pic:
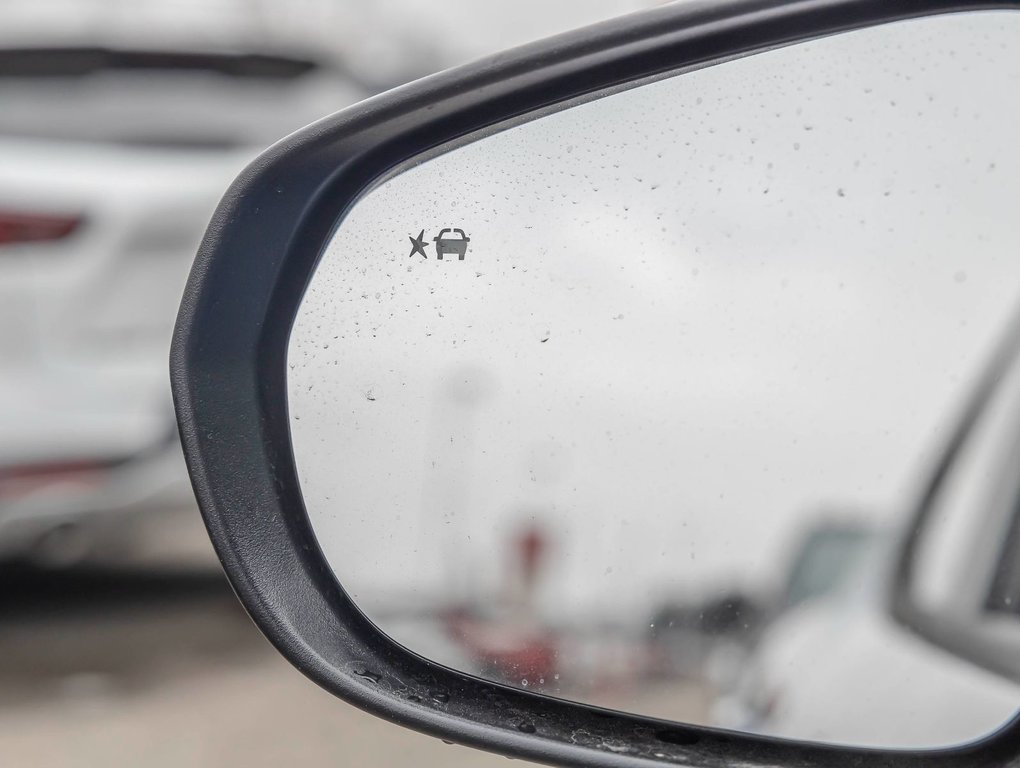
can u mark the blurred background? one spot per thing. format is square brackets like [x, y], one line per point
[121, 124]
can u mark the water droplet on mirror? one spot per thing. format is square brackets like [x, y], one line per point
[367, 674]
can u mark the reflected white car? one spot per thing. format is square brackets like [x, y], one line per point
[847, 668]
[836, 669]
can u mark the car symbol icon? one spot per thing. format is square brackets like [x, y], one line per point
[451, 245]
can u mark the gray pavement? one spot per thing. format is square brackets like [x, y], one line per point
[161, 667]
[114, 669]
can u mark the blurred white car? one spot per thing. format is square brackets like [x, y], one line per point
[117, 140]
[885, 659]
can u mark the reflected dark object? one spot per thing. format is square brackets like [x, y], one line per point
[1004, 594]
[824, 560]
[729, 614]
[686, 637]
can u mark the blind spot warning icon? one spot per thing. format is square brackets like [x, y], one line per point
[451, 245]
[418, 244]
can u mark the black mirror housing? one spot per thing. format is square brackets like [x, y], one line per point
[228, 369]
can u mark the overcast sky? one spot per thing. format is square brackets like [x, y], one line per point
[692, 316]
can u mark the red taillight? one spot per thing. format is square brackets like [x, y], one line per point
[19, 227]
[22, 479]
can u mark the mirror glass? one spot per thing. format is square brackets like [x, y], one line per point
[630, 403]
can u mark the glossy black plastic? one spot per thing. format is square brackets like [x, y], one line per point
[228, 372]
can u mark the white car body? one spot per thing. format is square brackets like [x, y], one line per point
[846, 669]
[138, 156]
[843, 671]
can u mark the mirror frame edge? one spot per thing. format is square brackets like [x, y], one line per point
[914, 618]
[228, 375]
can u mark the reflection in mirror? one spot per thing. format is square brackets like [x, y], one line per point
[629, 404]
[970, 603]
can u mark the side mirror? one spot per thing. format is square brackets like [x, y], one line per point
[506, 395]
